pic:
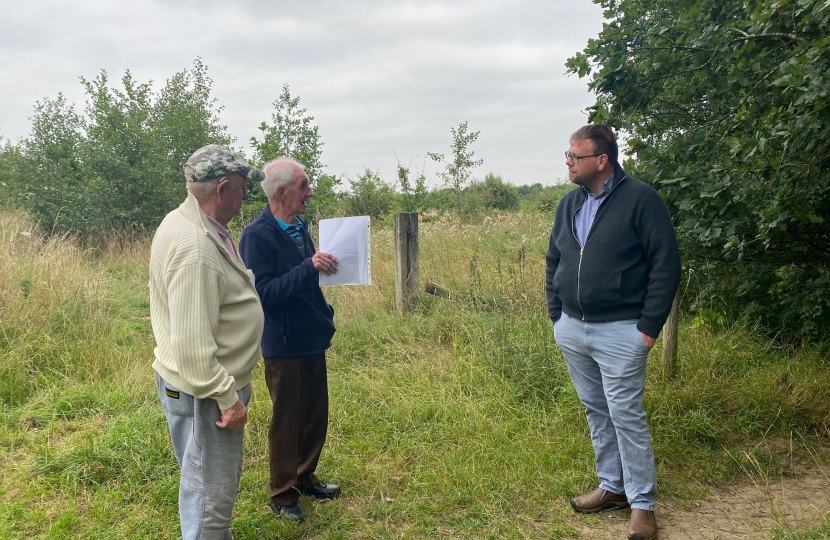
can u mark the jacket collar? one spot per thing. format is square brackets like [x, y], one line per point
[266, 213]
[269, 218]
[619, 176]
[191, 211]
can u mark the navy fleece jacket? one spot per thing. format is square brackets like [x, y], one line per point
[629, 267]
[298, 320]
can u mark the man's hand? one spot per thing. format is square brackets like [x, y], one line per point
[325, 262]
[234, 418]
[648, 340]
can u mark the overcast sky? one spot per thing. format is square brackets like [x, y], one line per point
[376, 75]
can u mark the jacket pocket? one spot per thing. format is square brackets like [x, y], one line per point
[601, 292]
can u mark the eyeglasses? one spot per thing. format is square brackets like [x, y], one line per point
[575, 158]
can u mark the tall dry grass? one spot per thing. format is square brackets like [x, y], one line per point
[442, 420]
[58, 322]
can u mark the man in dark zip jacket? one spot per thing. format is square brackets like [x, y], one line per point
[299, 325]
[613, 268]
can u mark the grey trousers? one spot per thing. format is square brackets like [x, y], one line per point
[210, 459]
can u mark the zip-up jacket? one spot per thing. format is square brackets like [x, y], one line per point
[629, 267]
[298, 320]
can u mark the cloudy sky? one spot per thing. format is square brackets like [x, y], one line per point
[376, 75]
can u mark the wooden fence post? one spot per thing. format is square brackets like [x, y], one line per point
[406, 260]
[670, 338]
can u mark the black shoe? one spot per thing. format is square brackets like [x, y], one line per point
[322, 490]
[292, 512]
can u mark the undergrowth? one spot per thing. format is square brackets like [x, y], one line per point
[458, 419]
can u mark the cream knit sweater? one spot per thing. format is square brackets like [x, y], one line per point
[205, 312]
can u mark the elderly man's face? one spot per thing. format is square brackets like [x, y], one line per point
[297, 193]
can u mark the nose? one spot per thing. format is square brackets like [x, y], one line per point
[244, 194]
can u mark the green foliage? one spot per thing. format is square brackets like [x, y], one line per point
[120, 154]
[437, 417]
[185, 117]
[459, 167]
[291, 134]
[441, 200]
[46, 172]
[326, 199]
[541, 199]
[369, 195]
[7, 152]
[412, 197]
[496, 194]
[119, 164]
[727, 108]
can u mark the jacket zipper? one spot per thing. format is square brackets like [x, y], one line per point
[284, 324]
[582, 247]
[307, 247]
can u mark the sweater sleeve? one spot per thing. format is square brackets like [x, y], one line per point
[551, 264]
[659, 242]
[193, 292]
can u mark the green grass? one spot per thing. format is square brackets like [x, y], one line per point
[456, 420]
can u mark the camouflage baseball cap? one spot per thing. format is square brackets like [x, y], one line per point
[213, 161]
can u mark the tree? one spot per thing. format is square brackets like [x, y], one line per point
[185, 117]
[9, 157]
[118, 165]
[369, 196]
[726, 104]
[138, 140]
[122, 153]
[458, 169]
[498, 194]
[46, 172]
[292, 134]
[442, 200]
[412, 197]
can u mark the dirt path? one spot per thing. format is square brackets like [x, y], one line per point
[748, 511]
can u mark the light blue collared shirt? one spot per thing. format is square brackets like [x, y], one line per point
[584, 217]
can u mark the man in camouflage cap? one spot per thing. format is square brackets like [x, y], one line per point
[214, 161]
[207, 321]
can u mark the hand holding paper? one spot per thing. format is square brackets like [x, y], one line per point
[325, 262]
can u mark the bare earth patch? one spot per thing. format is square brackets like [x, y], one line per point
[748, 511]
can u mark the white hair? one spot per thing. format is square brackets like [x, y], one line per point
[279, 172]
[202, 190]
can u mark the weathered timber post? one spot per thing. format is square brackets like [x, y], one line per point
[406, 260]
[670, 338]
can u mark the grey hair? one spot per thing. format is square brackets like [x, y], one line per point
[279, 172]
[202, 190]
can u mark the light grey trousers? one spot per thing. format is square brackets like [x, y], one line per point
[210, 459]
[607, 363]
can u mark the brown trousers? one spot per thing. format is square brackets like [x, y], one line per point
[299, 421]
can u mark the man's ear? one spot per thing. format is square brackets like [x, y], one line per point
[603, 162]
[222, 186]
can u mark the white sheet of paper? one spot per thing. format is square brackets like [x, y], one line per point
[347, 239]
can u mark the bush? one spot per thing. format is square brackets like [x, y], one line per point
[120, 164]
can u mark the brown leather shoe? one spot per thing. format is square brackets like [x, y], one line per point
[599, 500]
[642, 525]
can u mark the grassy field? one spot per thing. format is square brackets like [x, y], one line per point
[458, 420]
